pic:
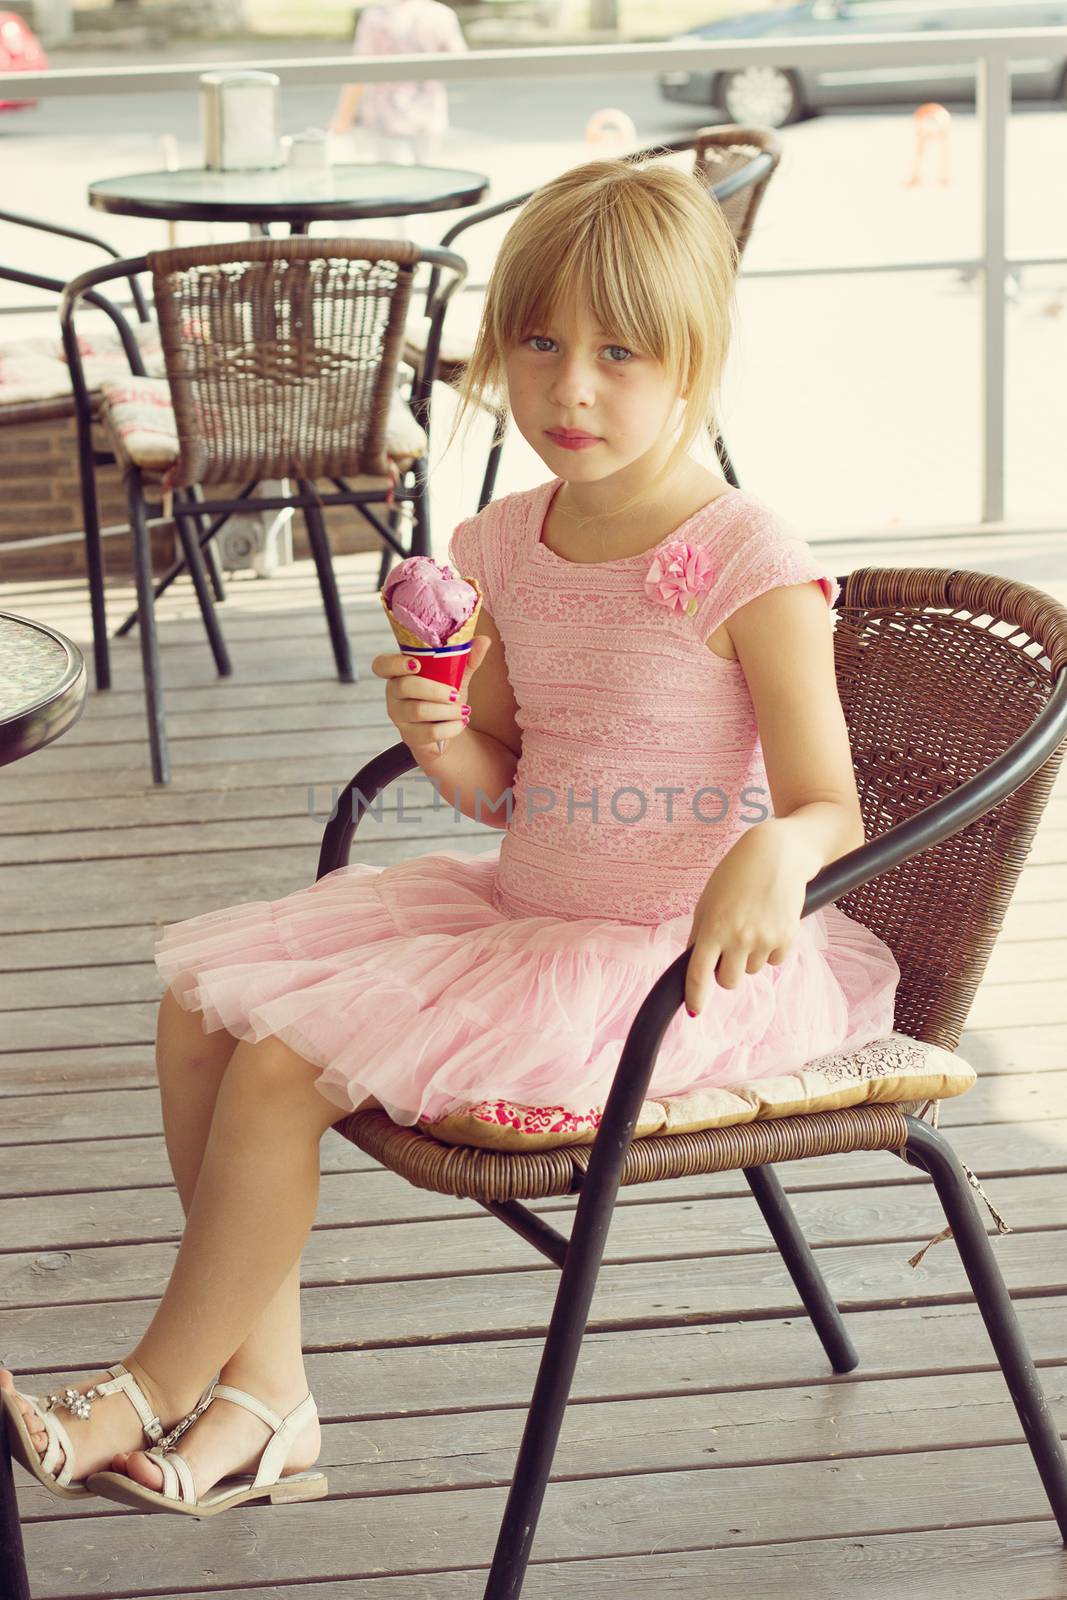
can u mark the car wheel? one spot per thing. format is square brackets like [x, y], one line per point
[768, 97]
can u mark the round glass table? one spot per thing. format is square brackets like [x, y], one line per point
[283, 194]
[42, 686]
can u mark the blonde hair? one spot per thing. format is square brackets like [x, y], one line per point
[650, 249]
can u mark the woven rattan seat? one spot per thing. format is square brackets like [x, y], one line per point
[954, 691]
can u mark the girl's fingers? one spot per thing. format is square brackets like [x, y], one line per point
[699, 976]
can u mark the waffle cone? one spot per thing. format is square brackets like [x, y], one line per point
[407, 640]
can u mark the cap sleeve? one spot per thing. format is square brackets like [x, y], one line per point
[471, 554]
[758, 551]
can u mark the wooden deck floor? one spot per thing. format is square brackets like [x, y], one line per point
[709, 1451]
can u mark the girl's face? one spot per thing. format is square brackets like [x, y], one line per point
[590, 406]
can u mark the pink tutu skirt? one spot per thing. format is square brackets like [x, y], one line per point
[405, 983]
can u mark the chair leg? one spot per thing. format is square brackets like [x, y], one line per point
[555, 1374]
[191, 549]
[14, 1582]
[492, 465]
[146, 619]
[210, 552]
[385, 566]
[331, 599]
[94, 564]
[928, 1149]
[797, 1255]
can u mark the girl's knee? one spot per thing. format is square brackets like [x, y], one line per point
[269, 1071]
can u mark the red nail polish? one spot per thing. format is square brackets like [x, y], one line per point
[466, 710]
[413, 666]
[454, 695]
[691, 1013]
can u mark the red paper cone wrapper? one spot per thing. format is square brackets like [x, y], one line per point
[444, 663]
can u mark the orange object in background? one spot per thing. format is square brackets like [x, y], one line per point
[931, 124]
[610, 128]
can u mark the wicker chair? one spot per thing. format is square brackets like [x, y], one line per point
[61, 408]
[736, 163]
[281, 360]
[955, 694]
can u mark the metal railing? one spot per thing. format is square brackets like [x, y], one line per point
[990, 50]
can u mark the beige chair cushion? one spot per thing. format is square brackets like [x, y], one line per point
[140, 419]
[457, 346]
[888, 1071]
[36, 369]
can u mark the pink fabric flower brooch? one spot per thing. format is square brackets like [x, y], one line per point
[679, 574]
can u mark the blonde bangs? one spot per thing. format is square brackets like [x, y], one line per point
[647, 248]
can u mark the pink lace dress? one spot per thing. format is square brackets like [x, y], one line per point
[513, 974]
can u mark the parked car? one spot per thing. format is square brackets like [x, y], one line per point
[19, 52]
[773, 96]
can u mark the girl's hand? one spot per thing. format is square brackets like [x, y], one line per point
[422, 710]
[749, 912]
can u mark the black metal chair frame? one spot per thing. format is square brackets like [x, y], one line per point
[926, 1148]
[191, 510]
[89, 455]
[743, 178]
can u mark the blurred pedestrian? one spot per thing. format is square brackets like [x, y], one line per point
[408, 120]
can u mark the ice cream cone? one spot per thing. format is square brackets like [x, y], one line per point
[444, 663]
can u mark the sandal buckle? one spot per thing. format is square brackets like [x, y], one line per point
[179, 1428]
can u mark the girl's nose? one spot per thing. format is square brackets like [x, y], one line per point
[572, 385]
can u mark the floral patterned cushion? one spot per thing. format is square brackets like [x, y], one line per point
[140, 419]
[36, 369]
[887, 1071]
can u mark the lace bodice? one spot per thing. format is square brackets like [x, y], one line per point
[641, 763]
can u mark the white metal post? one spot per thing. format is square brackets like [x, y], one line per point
[993, 108]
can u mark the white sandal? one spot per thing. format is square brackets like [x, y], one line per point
[43, 1468]
[179, 1492]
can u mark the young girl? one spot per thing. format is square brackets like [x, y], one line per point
[650, 715]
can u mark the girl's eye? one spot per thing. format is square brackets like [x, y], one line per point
[538, 340]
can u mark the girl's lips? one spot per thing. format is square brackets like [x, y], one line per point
[572, 441]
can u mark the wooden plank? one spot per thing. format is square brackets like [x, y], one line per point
[46, 898]
[637, 1513]
[165, 808]
[513, 1302]
[126, 1163]
[751, 1428]
[983, 1563]
[719, 1357]
[123, 1246]
[403, 816]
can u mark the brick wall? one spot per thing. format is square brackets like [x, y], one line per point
[39, 495]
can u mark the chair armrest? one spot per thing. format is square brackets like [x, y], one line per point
[84, 288]
[18, 220]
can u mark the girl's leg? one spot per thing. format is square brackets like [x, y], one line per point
[270, 1363]
[253, 1206]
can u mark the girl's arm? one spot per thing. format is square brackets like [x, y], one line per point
[749, 912]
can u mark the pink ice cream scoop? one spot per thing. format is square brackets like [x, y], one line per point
[429, 598]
